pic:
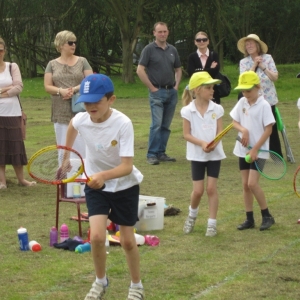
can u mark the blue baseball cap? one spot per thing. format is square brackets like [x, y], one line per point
[94, 87]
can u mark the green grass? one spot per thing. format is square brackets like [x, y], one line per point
[287, 84]
[234, 265]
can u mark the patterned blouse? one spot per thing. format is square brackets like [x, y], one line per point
[65, 76]
[267, 85]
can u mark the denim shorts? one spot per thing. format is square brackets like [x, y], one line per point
[121, 207]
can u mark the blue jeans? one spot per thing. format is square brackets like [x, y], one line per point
[162, 104]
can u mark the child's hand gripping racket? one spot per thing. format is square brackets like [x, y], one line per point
[56, 165]
[271, 166]
[219, 136]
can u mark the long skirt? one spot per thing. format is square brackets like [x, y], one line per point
[12, 148]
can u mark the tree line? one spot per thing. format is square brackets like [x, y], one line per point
[112, 33]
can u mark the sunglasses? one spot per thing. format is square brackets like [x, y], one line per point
[201, 40]
[70, 43]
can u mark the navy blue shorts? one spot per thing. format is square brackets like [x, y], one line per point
[212, 168]
[243, 165]
[121, 207]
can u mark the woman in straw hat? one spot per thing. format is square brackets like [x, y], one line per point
[263, 64]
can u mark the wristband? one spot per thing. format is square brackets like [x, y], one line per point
[58, 92]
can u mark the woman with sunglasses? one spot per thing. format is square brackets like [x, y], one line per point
[12, 148]
[62, 79]
[204, 60]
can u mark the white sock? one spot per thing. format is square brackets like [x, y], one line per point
[193, 212]
[136, 285]
[212, 222]
[103, 280]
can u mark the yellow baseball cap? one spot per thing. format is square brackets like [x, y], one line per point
[201, 78]
[247, 81]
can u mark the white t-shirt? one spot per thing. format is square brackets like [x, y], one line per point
[9, 106]
[254, 118]
[203, 128]
[298, 103]
[106, 143]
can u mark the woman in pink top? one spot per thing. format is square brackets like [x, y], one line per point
[12, 148]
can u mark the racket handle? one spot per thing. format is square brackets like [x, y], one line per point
[102, 187]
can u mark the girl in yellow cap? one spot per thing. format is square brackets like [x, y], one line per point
[202, 121]
[252, 117]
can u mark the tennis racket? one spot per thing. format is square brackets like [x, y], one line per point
[296, 182]
[220, 135]
[57, 165]
[272, 166]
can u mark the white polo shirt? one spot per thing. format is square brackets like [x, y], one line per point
[203, 128]
[254, 118]
[106, 143]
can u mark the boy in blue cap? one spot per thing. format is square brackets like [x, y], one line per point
[109, 139]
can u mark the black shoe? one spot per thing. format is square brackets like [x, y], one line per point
[267, 222]
[165, 157]
[152, 160]
[246, 225]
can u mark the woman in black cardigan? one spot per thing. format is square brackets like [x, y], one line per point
[204, 60]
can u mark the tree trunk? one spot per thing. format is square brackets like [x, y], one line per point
[127, 61]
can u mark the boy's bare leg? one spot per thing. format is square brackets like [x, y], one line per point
[98, 237]
[130, 247]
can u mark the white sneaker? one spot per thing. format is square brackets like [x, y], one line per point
[211, 230]
[136, 294]
[189, 225]
[96, 292]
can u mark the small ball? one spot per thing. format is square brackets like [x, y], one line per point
[248, 159]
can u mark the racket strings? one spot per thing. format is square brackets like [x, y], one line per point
[273, 167]
[48, 167]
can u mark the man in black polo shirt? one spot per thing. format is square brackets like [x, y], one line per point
[160, 70]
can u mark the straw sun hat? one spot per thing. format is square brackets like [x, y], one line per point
[252, 36]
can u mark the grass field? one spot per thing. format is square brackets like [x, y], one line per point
[234, 265]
